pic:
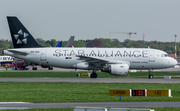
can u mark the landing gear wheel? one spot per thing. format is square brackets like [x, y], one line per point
[34, 68]
[151, 77]
[93, 75]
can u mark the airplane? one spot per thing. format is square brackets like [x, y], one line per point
[115, 61]
[6, 61]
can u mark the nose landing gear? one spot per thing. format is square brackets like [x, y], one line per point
[150, 74]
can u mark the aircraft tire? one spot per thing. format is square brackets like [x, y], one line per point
[93, 75]
[151, 77]
[34, 68]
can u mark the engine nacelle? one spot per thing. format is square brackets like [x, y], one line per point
[21, 65]
[117, 69]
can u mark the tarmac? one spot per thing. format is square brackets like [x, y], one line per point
[90, 80]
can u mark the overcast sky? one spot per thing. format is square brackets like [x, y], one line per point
[90, 19]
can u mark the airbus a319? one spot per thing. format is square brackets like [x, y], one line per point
[115, 61]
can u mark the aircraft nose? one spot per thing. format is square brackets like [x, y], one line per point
[174, 62]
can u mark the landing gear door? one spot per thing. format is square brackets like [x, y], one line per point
[151, 56]
[43, 55]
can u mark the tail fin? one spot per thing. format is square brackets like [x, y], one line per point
[20, 36]
[59, 44]
[70, 42]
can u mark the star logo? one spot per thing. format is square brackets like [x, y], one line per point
[21, 37]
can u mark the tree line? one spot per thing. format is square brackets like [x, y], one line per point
[104, 42]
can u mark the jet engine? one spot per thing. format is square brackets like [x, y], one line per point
[21, 65]
[117, 69]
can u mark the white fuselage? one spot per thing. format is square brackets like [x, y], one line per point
[136, 58]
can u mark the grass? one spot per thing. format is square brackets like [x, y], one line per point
[78, 92]
[73, 74]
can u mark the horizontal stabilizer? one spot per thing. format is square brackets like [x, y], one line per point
[17, 52]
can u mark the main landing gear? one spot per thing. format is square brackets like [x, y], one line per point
[94, 75]
[50, 68]
[150, 74]
[34, 68]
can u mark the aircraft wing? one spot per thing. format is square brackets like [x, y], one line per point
[18, 52]
[91, 59]
[99, 62]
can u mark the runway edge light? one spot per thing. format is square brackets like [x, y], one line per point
[118, 92]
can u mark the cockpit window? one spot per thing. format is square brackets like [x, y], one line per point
[165, 55]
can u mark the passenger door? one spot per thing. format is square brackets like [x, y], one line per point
[151, 56]
[43, 55]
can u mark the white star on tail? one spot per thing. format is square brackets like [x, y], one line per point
[22, 39]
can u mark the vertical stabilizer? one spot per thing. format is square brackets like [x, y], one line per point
[59, 44]
[20, 35]
[70, 42]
